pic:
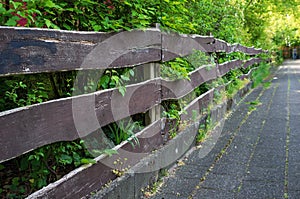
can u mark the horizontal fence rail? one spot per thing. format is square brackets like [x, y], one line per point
[30, 51]
[53, 50]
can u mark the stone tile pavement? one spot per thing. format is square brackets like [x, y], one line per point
[258, 152]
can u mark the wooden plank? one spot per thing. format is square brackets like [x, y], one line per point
[32, 50]
[27, 128]
[248, 75]
[180, 88]
[251, 61]
[179, 45]
[244, 49]
[195, 108]
[227, 66]
[203, 74]
[221, 46]
[88, 178]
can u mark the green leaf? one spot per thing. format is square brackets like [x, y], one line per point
[125, 78]
[131, 72]
[122, 90]
[24, 164]
[2, 10]
[97, 27]
[66, 159]
[104, 81]
[127, 3]
[41, 182]
[48, 23]
[50, 4]
[12, 21]
[116, 79]
[2, 167]
[22, 85]
[15, 181]
[88, 161]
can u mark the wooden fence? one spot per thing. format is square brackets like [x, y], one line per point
[27, 51]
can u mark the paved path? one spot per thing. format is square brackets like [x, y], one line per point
[258, 153]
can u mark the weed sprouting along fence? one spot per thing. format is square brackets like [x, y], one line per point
[33, 51]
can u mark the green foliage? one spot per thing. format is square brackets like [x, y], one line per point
[204, 129]
[224, 57]
[201, 133]
[124, 130]
[19, 93]
[172, 111]
[180, 67]
[85, 14]
[253, 105]
[42, 166]
[262, 72]
[116, 78]
[176, 69]
[246, 22]
[234, 86]
[198, 59]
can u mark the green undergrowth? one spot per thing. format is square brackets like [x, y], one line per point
[260, 74]
[34, 170]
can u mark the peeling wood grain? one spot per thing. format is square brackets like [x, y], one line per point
[27, 50]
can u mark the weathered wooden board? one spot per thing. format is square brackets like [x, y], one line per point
[251, 61]
[180, 88]
[32, 50]
[227, 66]
[86, 179]
[179, 45]
[243, 49]
[30, 127]
[195, 108]
[221, 46]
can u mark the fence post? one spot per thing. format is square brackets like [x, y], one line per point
[152, 71]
